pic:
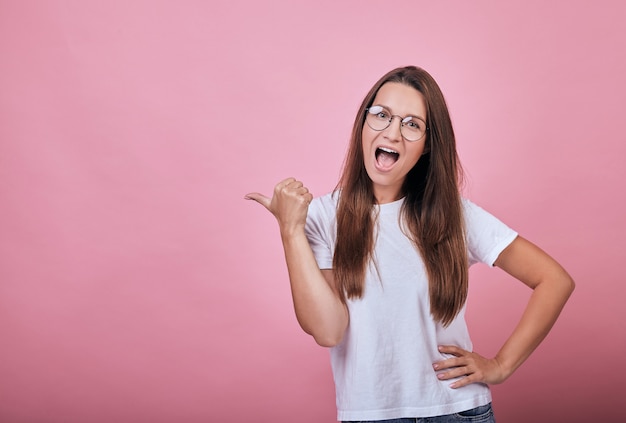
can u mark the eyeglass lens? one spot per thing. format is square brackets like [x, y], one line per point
[411, 128]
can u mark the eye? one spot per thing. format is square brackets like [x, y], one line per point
[379, 112]
[412, 123]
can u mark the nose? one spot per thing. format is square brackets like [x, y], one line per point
[393, 132]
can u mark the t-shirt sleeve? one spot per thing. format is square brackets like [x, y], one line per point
[320, 223]
[487, 236]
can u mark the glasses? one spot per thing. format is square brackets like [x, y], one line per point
[412, 128]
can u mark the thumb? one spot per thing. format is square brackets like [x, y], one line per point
[259, 198]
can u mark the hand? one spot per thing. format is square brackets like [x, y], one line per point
[474, 367]
[289, 204]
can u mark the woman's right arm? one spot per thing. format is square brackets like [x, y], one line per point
[317, 304]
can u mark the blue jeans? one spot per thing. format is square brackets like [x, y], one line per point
[482, 414]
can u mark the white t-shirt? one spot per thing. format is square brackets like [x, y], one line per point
[383, 366]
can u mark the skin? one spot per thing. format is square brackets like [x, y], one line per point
[401, 100]
[318, 308]
[551, 287]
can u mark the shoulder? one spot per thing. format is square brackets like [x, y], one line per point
[473, 213]
[321, 220]
[322, 213]
[487, 235]
[325, 206]
[469, 206]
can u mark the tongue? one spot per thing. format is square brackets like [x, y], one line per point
[385, 159]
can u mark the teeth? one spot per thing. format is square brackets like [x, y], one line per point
[388, 150]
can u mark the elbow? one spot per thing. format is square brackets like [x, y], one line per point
[327, 332]
[560, 281]
[328, 340]
[571, 285]
[327, 337]
[565, 286]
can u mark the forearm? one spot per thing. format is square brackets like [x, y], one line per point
[542, 311]
[318, 308]
[545, 304]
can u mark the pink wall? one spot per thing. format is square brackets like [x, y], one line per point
[136, 284]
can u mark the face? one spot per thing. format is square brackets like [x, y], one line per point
[388, 156]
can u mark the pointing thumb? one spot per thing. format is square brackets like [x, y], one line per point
[259, 198]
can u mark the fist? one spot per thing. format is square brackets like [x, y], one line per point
[289, 203]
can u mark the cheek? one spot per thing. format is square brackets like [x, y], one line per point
[416, 152]
[366, 139]
[412, 159]
[365, 135]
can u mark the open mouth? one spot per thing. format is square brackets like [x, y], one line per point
[386, 157]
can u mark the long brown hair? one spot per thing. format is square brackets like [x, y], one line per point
[431, 214]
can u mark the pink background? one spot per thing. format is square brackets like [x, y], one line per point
[136, 284]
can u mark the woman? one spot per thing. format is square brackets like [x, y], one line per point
[379, 268]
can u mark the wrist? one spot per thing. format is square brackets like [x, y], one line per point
[506, 368]
[289, 232]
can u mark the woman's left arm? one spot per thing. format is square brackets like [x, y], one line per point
[551, 286]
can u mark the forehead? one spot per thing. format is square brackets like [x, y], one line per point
[401, 99]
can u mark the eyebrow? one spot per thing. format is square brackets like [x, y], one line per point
[389, 108]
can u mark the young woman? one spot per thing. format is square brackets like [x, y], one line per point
[379, 267]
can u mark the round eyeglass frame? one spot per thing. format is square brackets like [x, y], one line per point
[368, 114]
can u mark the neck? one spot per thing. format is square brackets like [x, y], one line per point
[387, 195]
